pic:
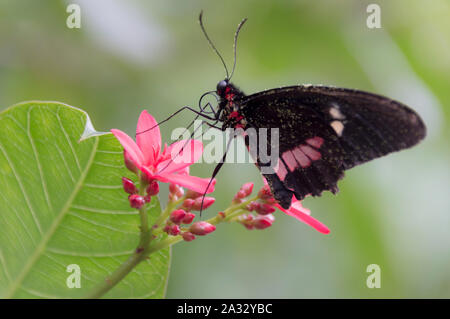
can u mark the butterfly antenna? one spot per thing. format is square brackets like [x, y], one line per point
[235, 44]
[211, 43]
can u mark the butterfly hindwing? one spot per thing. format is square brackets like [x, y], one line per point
[325, 130]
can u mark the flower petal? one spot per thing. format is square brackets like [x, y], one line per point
[191, 151]
[197, 184]
[305, 218]
[130, 146]
[296, 204]
[149, 141]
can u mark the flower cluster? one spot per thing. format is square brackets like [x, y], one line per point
[259, 212]
[145, 158]
[183, 214]
[136, 200]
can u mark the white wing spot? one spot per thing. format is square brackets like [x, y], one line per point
[338, 127]
[335, 113]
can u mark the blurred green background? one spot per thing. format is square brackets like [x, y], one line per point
[134, 55]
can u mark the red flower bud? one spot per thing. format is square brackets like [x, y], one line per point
[261, 222]
[251, 207]
[172, 230]
[202, 228]
[153, 188]
[192, 194]
[177, 216]
[245, 190]
[247, 221]
[136, 201]
[187, 236]
[187, 204]
[239, 195]
[188, 218]
[208, 201]
[265, 193]
[129, 162]
[176, 190]
[128, 186]
[264, 209]
[147, 198]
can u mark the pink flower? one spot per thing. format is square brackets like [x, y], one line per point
[169, 166]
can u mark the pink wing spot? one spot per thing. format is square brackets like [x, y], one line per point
[301, 157]
[289, 158]
[310, 152]
[281, 170]
[315, 141]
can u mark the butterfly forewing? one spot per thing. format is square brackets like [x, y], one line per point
[325, 130]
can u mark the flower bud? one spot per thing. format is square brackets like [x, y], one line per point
[202, 228]
[192, 194]
[153, 188]
[264, 209]
[188, 218]
[188, 236]
[245, 190]
[172, 230]
[265, 193]
[239, 195]
[128, 186]
[247, 221]
[147, 198]
[187, 204]
[251, 207]
[262, 222]
[136, 201]
[129, 162]
[176, 190]
[177, 216]
[207, 201]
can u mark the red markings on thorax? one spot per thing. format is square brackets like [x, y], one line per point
[236, 116]
[302, 156]
[228, 95]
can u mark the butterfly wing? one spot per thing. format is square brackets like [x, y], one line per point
[324, 131]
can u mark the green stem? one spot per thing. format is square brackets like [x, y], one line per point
[165, 214]
[138, 255]
[145, 248]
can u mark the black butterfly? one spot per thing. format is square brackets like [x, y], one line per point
[322, 130]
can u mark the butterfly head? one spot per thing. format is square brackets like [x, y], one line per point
[221, 87]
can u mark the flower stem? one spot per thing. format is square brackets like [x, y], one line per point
[140, 253]
[145, 248]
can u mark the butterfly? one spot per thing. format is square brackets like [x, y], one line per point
[323, 130]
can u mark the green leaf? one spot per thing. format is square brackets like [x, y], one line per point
[61, 203]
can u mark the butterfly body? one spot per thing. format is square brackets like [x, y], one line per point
[322, 132]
